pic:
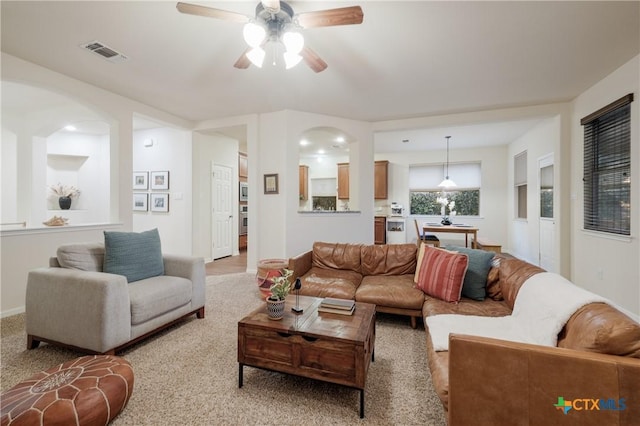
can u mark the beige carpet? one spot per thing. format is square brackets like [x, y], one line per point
[189, 374]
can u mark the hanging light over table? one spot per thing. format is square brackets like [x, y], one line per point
[447, 183]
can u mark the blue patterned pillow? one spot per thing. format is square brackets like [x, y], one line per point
[136, 255]
[475, 280]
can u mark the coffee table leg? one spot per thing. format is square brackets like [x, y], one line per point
[240, 369]
[362, 403]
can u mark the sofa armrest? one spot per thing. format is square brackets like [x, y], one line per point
[301, 264]
[191, 268]
[499, 382]
[89, 310]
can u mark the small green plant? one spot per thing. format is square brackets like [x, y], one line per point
[281, 285]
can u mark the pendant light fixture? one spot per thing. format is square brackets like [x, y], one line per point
[447, 183]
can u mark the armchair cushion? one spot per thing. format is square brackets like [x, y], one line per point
[83, 256]
[136, 255]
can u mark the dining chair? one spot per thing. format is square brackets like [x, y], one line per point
[427, 238]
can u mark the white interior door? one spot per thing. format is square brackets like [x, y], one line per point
[548, 252]
[221, 210]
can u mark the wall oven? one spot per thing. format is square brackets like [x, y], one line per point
[242, 226]
[244, 191]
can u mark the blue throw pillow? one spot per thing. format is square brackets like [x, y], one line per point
[475, 280]
[136, 255]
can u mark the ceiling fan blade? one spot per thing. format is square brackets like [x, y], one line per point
[330, 17]
[271, 6]
[312, 59]
[210, 12]
[243, 61]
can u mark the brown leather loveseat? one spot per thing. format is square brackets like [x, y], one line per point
[378, 274]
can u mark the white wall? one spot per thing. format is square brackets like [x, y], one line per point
[523, 238]
[602, 263]
[9, 170]
[222, 150]
[171, 151]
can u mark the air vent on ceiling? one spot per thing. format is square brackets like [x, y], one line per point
[104, 51]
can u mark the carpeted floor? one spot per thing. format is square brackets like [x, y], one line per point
[188, 374]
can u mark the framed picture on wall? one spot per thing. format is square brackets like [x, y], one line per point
[160, 180]
[271, 184]
[140, 202]
[140, 180]
[160, 202]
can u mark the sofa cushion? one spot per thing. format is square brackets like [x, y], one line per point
[155, 296]
[390, 291]
[388, 259]
[513, 273]
[599, 327]
[321, 282]
[136, 255]
[82, 256]
[442, 274]
[475, 280]
[486, 308]
[420, 257]
[337, 256]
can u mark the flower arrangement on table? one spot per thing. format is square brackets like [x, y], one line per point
[444, 202]
[281, 285]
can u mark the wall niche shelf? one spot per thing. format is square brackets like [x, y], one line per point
[66, 161]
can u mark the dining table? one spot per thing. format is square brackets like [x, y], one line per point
[434, 228]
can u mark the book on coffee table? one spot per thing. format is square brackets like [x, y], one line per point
[337, 310]
[333, 303]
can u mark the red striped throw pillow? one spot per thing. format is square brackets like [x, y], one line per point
[442, 273]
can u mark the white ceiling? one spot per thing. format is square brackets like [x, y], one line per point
[407, 59]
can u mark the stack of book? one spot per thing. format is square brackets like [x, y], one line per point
[337, 306]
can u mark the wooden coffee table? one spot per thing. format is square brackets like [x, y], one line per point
[329, 347]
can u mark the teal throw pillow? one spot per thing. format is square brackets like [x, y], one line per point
[475, 280]
[136, 255]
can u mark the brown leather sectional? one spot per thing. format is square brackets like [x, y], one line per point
[595, 367]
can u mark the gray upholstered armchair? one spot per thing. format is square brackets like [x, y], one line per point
[75, 304]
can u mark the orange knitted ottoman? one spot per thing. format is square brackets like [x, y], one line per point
[90, 390]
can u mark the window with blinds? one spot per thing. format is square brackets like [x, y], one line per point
[520, 182]
[607, 168]
[424, 190]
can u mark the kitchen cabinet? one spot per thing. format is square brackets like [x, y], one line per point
[243, 165]
[304, 182]
[380, 230]
[343, 181]
[242, 242]
[380, 179]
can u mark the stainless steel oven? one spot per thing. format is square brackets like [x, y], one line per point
[244, 191]
[242, 226]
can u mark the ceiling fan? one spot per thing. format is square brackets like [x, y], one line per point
[275, 21]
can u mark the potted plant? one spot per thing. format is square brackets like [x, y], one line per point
[279, 291]
[65, 194]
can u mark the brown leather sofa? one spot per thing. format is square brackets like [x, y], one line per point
[488, 381]
[482, 381]
[378, 274]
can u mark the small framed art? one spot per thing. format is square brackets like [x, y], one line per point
[140, 180]
[140, 201]
[271, 183]
[160, 180]
[160, 202]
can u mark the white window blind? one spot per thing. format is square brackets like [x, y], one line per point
[428, 177]
[520, 169]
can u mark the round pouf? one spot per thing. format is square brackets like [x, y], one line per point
[268, 269]
[90, 390]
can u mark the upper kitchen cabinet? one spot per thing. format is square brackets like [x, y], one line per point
[380, 178]
[304, 182]
[343, 181]
[243, 165]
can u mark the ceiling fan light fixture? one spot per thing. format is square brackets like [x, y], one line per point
[254, 34]
[293, 41]
[256, 56]
[291, 59]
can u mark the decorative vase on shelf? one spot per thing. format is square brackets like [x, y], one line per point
[65, 203]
